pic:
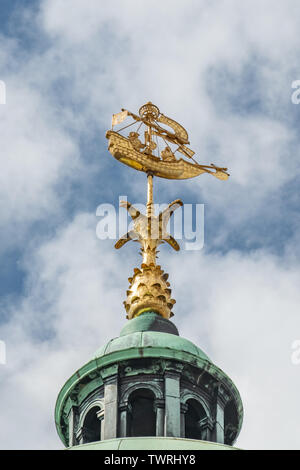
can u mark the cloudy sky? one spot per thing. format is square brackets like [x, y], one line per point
[223, 69]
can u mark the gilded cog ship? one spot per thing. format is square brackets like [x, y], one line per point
[150, 388]
[141, 156]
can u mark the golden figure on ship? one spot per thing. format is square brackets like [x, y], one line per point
[149, 288]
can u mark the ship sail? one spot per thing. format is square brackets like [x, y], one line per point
[180, 131]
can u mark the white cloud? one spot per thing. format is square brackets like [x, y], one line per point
[36, 154]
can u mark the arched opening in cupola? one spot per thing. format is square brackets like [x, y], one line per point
[194, 415]
[142, 420]
[92, 426]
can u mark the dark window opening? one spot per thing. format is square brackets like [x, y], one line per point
[230, 422]
[195, 413]
[92, 426]
[142, 420]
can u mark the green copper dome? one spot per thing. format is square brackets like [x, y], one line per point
[151, 331]
[167, 343]
[149, 321]
[149, 337]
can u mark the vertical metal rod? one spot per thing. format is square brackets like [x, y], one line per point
[149, 195]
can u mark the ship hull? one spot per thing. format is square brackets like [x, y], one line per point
[122, 149]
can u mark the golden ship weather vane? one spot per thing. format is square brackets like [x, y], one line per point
[149, 289]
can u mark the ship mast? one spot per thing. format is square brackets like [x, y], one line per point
[149, 112]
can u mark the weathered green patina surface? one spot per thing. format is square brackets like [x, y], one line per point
[152, 352]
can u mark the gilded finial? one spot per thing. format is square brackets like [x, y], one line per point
[149, 288]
